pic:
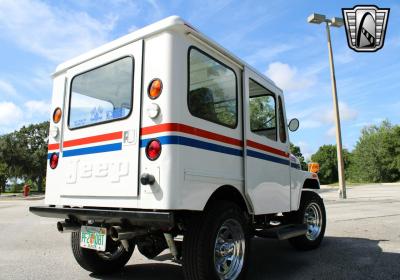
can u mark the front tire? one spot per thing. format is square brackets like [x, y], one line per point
[216, 244]
[312, 213]
[112, 260]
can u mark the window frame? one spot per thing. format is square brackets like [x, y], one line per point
[273, 95]
[282, 121]
[188, 86]
[94, 68]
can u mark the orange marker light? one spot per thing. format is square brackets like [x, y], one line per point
[313, 167]
[57, 115]
[155, 88]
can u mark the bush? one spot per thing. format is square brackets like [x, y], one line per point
[326, 156]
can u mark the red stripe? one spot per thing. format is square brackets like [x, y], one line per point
[266, 148]
[53, 146]
[93, 139]
[168, 127]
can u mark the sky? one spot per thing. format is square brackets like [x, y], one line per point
[272, 36]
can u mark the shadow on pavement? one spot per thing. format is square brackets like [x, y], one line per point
[151, 271]
[337, 258]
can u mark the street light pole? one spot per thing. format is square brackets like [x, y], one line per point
[336, 22]
[342, 182]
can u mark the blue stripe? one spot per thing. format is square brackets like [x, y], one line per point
[177, 140]
[295, 165]
[258, 155]
[93, 150]
[185, 141]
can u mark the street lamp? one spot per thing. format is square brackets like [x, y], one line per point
[336, 22]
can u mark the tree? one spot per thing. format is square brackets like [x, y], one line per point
[376, 157]
[25, 152]
[3, 175]
[326, 156]
[4, 169]
[295, 150]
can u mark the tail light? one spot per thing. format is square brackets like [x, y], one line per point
[153, 149]
[53, 160]
[155, 88]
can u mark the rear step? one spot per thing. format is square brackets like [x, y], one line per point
[282, 232]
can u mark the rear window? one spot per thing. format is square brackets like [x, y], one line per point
[102, 95]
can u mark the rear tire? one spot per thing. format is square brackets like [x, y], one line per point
[112, 260]
[312, 213]
[216, 244]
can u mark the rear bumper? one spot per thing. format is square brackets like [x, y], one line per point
[108, 216]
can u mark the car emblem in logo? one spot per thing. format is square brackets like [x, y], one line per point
[365, 27]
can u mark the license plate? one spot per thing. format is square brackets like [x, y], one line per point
[93, 238]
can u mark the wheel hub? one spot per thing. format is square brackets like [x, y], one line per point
[229, 250]
[313, 220]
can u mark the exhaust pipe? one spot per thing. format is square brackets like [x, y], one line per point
[118, 233]
[64, 227]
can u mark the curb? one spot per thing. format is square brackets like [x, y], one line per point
[13, 197]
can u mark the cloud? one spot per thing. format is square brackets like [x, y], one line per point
[132, 28]
[344, 57]
[9, 115]
[13, 117]
[35, 107]
[310, 123]
[51, 32]
[346, 114]
[331, 131]
[7, 89]
[265, 54]
[305, 149]
[288, 78]
[208, 9]
[322, 116]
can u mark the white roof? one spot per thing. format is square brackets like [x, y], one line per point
[148, 31]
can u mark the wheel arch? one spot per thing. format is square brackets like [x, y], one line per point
[311, 184]
[229, 193]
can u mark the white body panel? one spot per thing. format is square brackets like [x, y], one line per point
[267, 161]
[198, 156]
[99, 172]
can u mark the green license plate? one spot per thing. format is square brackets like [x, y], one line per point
[93, 238]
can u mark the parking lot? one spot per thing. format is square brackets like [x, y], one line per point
[362, 242]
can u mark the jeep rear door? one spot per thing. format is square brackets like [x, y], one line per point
[267, 178]
[100, 134]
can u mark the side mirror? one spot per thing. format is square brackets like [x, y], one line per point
[294, 125]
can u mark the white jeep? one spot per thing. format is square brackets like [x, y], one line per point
[164, 134]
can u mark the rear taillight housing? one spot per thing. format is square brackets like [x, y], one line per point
[153, 149]
[53, 160]
[155, 88]
[57, 115]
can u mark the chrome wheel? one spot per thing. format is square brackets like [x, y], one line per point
[229, 250]
[313, 220]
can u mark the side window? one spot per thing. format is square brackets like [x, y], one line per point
[212, 92]
[262, 111]
[282, 123]
[101, 95]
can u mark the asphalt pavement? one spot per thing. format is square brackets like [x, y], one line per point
[362, 242]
